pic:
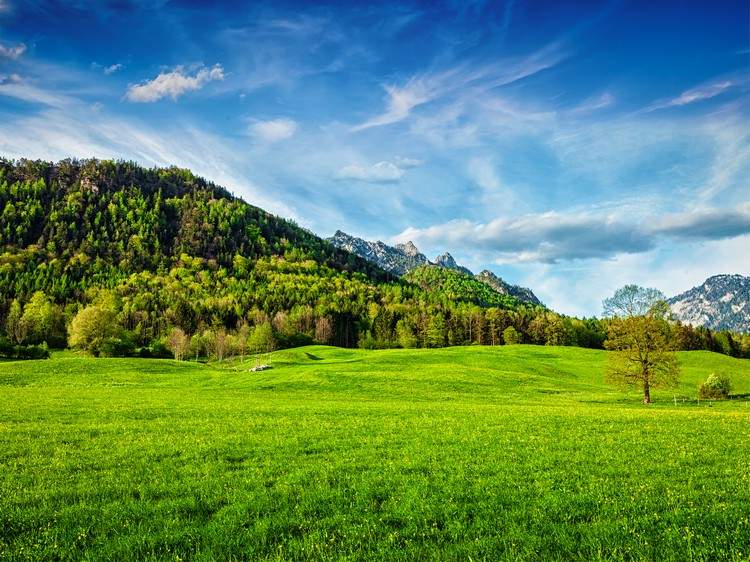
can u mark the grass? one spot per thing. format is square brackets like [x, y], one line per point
[515, 453]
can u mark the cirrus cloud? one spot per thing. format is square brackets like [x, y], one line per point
[382, 172]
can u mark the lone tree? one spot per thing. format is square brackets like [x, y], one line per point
[638, 338]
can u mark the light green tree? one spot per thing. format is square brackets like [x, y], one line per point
[511, 336]
[36, 321]
[92, 327]
[638, 337]
[13, 322]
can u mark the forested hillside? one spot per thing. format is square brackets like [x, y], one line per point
[117, 259]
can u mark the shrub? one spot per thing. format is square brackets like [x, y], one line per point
[122, 345]
[11, 351]
[716, 387]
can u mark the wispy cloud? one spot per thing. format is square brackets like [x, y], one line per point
[111, 69]
[400, 102]
[15, 86]
[405, 163]
[273, 130]
[463, 79]
[173, 84]
[12, 52]
[482, 171]
[382, 172]
[699, 93]
[555, 236]
[595, 103]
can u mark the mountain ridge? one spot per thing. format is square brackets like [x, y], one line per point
[404, 258]
[721, 302]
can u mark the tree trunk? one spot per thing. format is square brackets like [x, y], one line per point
[646, 392]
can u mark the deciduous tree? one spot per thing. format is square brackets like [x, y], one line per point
[639, 340]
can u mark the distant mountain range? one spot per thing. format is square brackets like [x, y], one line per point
[722, 302]
[403, 258]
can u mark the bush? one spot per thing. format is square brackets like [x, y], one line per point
[716, 387]
[122, 346]
[10, 351]
[156, 350]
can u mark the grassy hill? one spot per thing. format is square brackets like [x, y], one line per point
[514, 452]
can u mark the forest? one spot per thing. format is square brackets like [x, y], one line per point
[117, 259]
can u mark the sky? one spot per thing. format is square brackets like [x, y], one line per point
[571, 147]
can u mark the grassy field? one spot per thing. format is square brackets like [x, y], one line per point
[515, 452]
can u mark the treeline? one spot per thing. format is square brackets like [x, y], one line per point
[199, 310]
[116, 259]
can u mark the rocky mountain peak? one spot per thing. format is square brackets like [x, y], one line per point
[446, 260]
[722, 302]
[402, 258]
[409, 249]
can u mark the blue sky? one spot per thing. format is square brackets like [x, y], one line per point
[569, 146]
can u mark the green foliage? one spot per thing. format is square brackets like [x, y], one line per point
[261, 339]
[10, 351]
[95, 330]
[511, 336]
[715, 387]
[13, 322]
[454, 285]
[641, 353]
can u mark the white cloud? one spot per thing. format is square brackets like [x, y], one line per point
[172, 84]
[12, 52]
[406, 163]
[273, 130]
[462, 80]
[400, 102]
[15, 86]
[10, 79]
[112, 68]
[382, 172]
[553, 236]
[482, 172]
[595, 103]
[700, 93]
[572, 288]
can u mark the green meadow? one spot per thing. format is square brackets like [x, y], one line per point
[480, 453]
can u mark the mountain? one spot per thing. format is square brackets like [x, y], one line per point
[397, 260]
[722, 302]
[446, 260]
[404, 258]
[149, 251]
[121, 216]
[521, 293]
